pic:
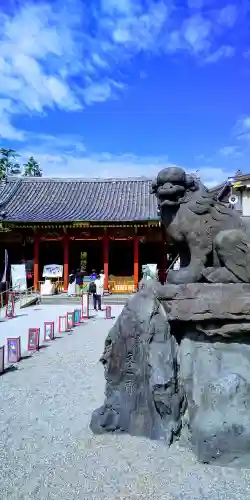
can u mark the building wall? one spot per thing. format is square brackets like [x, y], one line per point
[246, 202]
[243, 203]
[238, 205]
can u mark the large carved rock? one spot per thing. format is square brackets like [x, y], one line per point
[181, 353]
[214, 324]
[208, 303]
[216, 378]
[143, 394]
[177, 348]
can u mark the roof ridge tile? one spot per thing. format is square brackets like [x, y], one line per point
[80, 179]
[97, 200]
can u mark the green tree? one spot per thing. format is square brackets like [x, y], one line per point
[8, 163]
[32, 168]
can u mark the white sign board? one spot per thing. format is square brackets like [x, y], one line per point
[52, 271]
[85, 305]
[18, 277]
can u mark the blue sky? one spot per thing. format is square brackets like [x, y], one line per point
[116, 88]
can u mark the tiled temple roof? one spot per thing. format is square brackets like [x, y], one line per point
[238, 177]
[66, 200]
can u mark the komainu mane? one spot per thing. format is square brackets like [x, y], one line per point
[210, 237]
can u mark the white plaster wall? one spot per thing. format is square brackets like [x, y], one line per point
[246, 203]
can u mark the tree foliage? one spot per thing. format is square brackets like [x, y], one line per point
[10, 166]
[8, 163]
[32, 168]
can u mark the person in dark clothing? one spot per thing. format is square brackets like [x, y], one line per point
[93, 275]
[78, 282]
[97, 302]
[71, 277]
[96, 288]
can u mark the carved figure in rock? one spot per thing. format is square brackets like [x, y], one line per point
[143, 396]
[210, 237]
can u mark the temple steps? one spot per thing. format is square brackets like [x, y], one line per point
[108, 300]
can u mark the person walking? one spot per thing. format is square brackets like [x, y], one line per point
[102, 278]
[72, 284]
[97, 296]
[93, 275]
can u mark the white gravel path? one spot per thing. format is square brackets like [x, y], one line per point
[47, 451]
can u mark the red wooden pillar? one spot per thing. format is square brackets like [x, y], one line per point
[65, 263]
[106, 261]
[36, 263]
[136, 262]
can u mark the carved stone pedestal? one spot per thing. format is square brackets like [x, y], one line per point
[213, 322]
[182, 353]
[140, 360]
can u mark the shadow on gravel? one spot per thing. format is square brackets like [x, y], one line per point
[15, 367]
[43, 346]
[25, 356]
[9, 369]
[103, 318]
[19, 315]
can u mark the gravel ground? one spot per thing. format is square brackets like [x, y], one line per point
[48, 452]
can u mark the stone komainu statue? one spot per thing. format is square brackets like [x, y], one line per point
[210, 237]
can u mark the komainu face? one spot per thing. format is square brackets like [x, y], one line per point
[172, 185]
[210, 233]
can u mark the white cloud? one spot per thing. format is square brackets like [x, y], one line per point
[212, 176]
[246, 54]
[103, 165]
[120, 6]
[140, 30]
[196, 31]
[242, 128]
[230, 151]
[228, 15]
[45, 46]
[230, 158]
[195, 4]
[77, 161]
[6, 128]
[37, 46]
[101, 92]
[201, 34]
[246, 123]
[224, 52]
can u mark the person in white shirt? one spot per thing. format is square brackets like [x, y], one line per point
[98, 293]
[72, 285]
[102, 278]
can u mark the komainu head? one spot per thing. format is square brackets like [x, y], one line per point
[172, 185]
